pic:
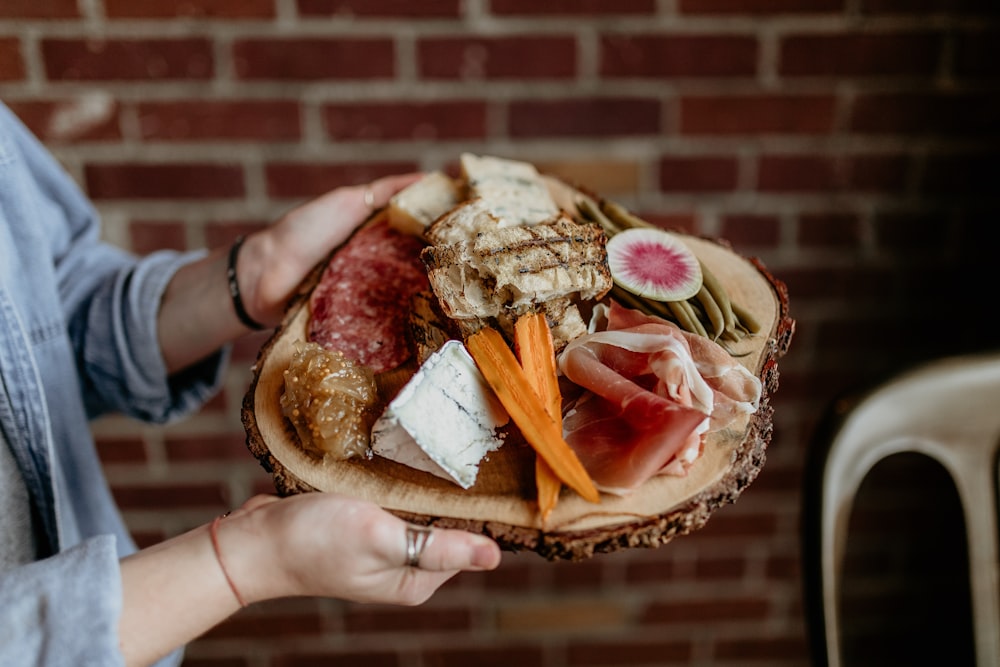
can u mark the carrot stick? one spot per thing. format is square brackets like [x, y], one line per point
[533, 342]
[510, 383]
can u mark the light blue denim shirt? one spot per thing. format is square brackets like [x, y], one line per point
[77, 339]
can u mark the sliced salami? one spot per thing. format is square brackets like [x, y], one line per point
[361, 304]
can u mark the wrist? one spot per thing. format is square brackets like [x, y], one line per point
[251, 264]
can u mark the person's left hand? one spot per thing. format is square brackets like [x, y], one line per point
[275, 260]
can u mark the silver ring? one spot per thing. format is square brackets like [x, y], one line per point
[369, 197]
[417, 539]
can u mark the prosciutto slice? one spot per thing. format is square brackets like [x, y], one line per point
[642, 394]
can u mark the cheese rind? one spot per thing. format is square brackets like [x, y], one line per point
[444, 420]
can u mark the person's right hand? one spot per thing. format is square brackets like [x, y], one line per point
[324, 544]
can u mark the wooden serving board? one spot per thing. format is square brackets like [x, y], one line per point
[501, 504]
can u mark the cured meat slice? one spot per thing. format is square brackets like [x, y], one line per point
[361, 304]
[644, 394]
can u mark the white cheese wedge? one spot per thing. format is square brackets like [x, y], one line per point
[444, 420]
[514, 190]
[415, 207]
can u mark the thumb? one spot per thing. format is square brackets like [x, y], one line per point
[451, 550]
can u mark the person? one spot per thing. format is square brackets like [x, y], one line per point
[86, 329]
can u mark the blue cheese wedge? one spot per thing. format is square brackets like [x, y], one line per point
[414, 208]
[513, 190]
[444, 420]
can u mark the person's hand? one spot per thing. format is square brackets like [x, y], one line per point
[274, 261]
[324, 544]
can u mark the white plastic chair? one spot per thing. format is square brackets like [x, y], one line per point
[947, 410]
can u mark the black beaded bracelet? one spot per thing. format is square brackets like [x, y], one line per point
[234, 288]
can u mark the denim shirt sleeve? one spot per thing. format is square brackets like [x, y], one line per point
[110, 299]
[64, 609]
[119, 354]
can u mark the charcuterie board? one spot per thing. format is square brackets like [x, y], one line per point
[502, 503]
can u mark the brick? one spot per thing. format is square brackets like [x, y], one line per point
[39, 9]
[250, 625]
[590, 117]
[860, 55]
[696, 612]
[698, 174]
[162, 9]
[235, 120]
[760, 7]
[677, 56]
[528, 57]
[484, 656]
[604, 175]
[381, 8]
[829, 230]
[423, 620]
[148, 236]
[121, 450]
[577, 576]
[163, 181]
[344, 659]
[679, 222]
[878, 173]
[612, 653]
[214, 662]
[294, 180]
[975, 54]
[314, 59]
[650, 572]
[11, 63]
[224, 232]
[508, 577]
[796, 173]
[183, 448]
[757, 114]
[71, 120]
[957, 114]
[720, 569]
[569, 616]
[728, 525]
[169, 496]
[749, 230]
[416, 121]
[763, 649]
[572, 7]
[127, 60]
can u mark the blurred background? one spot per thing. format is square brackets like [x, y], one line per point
[851, 145]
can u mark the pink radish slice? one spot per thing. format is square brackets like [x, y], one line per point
[653, 264]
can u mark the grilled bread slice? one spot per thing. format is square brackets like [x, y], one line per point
[518, 268]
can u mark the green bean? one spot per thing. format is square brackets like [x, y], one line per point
[686, 317]
[713, 313]
[718, 292]
[747, 320]
[621, 216]
[592, 212]
[645, 305]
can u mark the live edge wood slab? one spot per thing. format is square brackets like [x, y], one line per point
[501, 504]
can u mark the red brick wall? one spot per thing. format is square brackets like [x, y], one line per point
[850, 144]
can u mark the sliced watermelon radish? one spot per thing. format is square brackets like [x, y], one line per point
[654, 264]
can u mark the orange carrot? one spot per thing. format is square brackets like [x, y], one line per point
[511, 385]
[535, 350]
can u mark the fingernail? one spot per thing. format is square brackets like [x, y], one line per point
[485, 556]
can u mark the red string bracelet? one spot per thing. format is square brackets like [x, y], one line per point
[213, 532]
